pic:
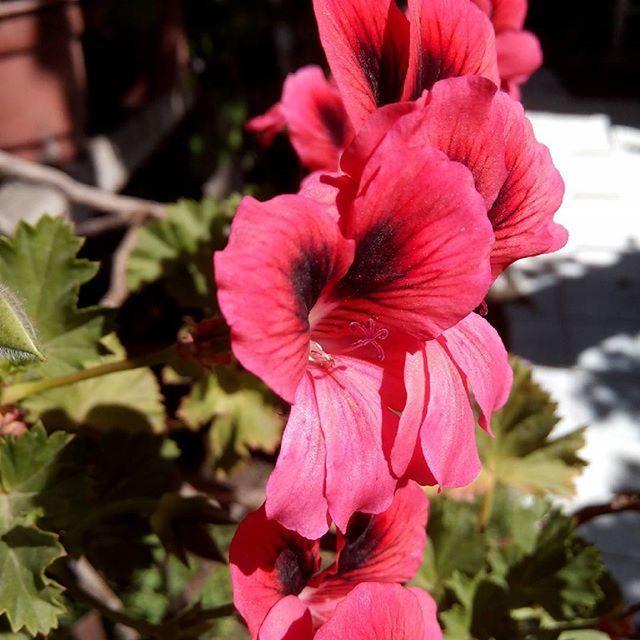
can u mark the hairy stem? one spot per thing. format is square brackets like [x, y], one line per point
[16, 392]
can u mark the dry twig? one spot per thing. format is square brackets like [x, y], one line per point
[125, 207]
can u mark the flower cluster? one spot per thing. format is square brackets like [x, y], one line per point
[355, 299]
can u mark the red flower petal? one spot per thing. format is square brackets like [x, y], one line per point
[422, 240]
[519, 55]
[449, 38]
[476, 348]
[269, 124]
[280, 256]
[522, 215]
[383, 548]
[430, 614]
[461, 119]
[317, 121]
[508, 14]
[267, 563]
[289, 619]
[378, 612]
[366, 44]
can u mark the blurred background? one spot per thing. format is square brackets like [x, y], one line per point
[149, 98]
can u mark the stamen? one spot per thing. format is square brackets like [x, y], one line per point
[319, 357]
[370, 336]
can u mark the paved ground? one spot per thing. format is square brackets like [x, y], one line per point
[578, 320]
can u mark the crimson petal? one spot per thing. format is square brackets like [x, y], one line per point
[449, 38]
[383, 548]
[422, 240]
[267, 563]
[366, 44]
[289, 619]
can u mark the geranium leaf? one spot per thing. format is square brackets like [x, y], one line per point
[17, 336]
[126, 399]
[40, 266]
[30, 481]
[177, 250]
[243, 415]
[524, 454]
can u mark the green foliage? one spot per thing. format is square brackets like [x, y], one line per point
[177, 251]
[527, 572]
[523, 454]
[40, 265]
[242, 413]
[31, 480]
[126, 399]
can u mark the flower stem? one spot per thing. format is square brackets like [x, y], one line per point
[16, 392]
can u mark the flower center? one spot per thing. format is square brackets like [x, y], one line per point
[366, 334]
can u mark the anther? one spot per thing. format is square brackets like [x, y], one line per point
[319, 357]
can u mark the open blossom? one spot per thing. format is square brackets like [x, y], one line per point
[324, 306]
[278, 588]
[519, 51]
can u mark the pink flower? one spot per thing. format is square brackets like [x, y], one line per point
[324, 308]
[277, 586]
[519, 51]
[311, 109]
[378, 55]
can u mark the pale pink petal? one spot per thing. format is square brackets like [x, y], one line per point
[353, 416]
[296, 488]
[447, 434]
[477, 350]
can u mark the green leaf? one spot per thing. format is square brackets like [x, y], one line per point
[127, 399]
[177, 250]
[29, 599]
[17, 337]
[30, 481]
[242, 413]
[40, 265]
[523, 454]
